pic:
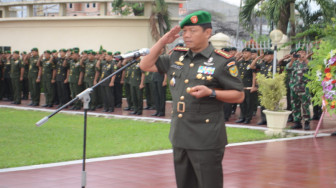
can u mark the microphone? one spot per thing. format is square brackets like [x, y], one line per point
[134, 54]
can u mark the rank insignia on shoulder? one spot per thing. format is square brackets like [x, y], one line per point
[233, 71]
[221, 53]
[231, 64]
[182, 49]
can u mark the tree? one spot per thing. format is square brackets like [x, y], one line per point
[160, 17]
[281, 12]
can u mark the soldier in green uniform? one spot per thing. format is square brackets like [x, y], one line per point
[75, 78]
[16, 75]
[8, 88]
[117, 83]
[25, 82]
[125, 80]
[48, 75]
[265, 68]
[34, 80]
[101, 61]
[108, 86]
[248, 77]
[149, 91]
[137, 82]
[254, 95]
[159, 93]
[61, 74]
[201, 79]
[300, 96]
[89, 76]
[1, 74]
[55, 100]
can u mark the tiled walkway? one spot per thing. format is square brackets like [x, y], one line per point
[301, 163]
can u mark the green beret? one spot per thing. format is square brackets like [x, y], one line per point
[24, 52]
[247, 49]
[233, 49]
[109, 53]
[254, 51]
[196, 18]
[34, 49]
[92, 52]
[76, 51]
[16, 52]
[103, 50]
[75, 48]
[269, 52]
[8, 51]
[100, 52]
[301, 49]
[47, 51]
[70, 49]
[53, 51]
[117, 53]
[226, 49]
[63, 50]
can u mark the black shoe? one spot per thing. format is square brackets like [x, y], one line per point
[161, 114]
[247, 121]
[111, 110]
[333, 134]
[297, 125]
[99, 106]
[18, 102]
[152, 108]
[45, 105]
[133, 113]
[240, 120]
[147, 108]
[72, 108]
[306, 126]
[262, 123]
[13, 102]
[139, 113]
[127, 109]
[290, 118]
[118, 106]
[50, 105]
[92, 109]
[59, 106]
[36, 104]
[226, 119]
[156, 114]
[30, 104]
[105, 110]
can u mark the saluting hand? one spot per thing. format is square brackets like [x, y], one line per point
[200, 91]
[172, 35]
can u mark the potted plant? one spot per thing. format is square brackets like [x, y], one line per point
[271, 92]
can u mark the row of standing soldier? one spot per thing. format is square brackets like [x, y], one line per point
[65, 73]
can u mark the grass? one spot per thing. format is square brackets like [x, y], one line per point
[61, 138]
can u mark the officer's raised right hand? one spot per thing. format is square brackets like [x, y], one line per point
[171, 36]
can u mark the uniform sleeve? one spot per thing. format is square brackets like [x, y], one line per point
[289, 68]
[228, 77]
[162, 64]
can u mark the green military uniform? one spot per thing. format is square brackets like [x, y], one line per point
[136, 92]
[118, 87]
[149, 90]
[25, 82]
[8, 88]
[1, 77]
[15, 73]
[34, 87]
[61, 75]
[74, 75]
[98, 90]
[106, 90]
[127, 87]
[159, 94]
[300, 96]
[90, 71]
[48, 68]
[246, 75]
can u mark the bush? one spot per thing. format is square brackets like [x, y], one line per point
[271, 91]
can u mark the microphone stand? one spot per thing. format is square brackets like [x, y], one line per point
[85, 98]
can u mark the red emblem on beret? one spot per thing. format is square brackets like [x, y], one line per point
[194, 19]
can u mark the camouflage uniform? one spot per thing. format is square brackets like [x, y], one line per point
[300, 96]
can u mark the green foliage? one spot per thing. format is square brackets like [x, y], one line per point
[271, 91]
[328, 43]
[138, 9]
[121, 8]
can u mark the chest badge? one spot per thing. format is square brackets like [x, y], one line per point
[209, 63]
[172, 82]
[209, 78]
[233, 71]
[181, 58]
[199, 76]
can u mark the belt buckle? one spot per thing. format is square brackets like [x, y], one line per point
[180, 107]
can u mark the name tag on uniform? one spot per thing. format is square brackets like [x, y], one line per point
[176, 66]
[206, 70]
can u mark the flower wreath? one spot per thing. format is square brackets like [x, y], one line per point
[329, 82]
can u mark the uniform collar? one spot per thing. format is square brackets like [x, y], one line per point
[206, 52]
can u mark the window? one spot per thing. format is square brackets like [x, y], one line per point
[93, 5]
[87, 5]
[70, 5]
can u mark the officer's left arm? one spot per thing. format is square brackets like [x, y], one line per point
[22, 71]
[142, 80]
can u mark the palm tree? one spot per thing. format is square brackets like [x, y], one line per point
[281, 12]
[160, 17]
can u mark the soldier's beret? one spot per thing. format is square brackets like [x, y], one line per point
[247, 49]
[226, 49]
[53, 51]
[109, 53]
[254, 51]
[196, 18]
[16, 52]
[269, 52]
[100, 52]
[103, 50]
[301, 49]
[63, 50]
[47, 51]
[117, 53]
[70, 49]
[75, 48]
[8, 52]
[34, 49]
[233, 49]
[76, 51]
[24, 52]
[92, 52]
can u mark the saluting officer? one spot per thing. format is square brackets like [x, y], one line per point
[200, 79]
[34, 79]
[248, 78]
[48, 73]
[16, 74]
